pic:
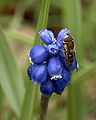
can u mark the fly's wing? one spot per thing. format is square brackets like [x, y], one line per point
[75, 62]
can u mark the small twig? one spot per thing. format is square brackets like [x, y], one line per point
[43, 108]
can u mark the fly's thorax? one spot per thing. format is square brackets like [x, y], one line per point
[68, 43]
[67, 38]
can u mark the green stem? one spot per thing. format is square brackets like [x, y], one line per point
[43, 108]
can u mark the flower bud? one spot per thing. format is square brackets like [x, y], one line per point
[59, 89]
[62, 34]
[65, 80]
[38, 54]
[47, 88]
[54, 66]
[39, 74]
[47, 36]
[29, 71]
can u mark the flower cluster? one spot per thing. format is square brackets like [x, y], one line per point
[46, 67]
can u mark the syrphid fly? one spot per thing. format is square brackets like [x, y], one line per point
[69, 48]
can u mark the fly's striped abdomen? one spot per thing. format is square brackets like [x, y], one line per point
[70, 59]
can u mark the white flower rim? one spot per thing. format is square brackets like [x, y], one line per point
[55, 77]
[30, 58]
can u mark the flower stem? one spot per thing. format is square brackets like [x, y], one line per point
[43, 108]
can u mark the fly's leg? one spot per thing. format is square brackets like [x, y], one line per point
[61, 65]
[60, 50]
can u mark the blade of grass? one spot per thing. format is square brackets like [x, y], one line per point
[27, 111]
[74, 24]
[44, 18]
[83, 73]
[88, 22]
[91, 106]
[30, 102]
[1, 102]
[10, 77]
[75, 102]
[13, 35]
[10, 115]
[40, 24]
[88, 27]
[71, 10]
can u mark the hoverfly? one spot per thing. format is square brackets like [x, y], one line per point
[69, 49]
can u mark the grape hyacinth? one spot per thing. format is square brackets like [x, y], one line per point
[45, 69]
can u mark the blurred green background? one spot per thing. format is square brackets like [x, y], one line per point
[19, 98]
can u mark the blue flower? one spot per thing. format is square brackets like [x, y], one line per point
[29, 71]
[48, 67]
[59, 89]
[47, 88]
[53, 68]
[65, 80]
[38, 54]
[62, 34]
[39, 74]
[47, 36]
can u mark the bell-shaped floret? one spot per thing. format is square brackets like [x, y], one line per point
[47, 36]
[29, 71]
[47, 88]
[39, 74]
[59, 89]
[62, 34]
[54, 66]
[38, 54]
[65, 80]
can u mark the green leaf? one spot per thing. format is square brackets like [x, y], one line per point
[40, 24]
[1, 102]
[10, 77]
[83, 73]
[42, 21]
[88, 22]
[88, 29]
[29, 102]
[10, 115]
[31, 91]
[16, 36]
